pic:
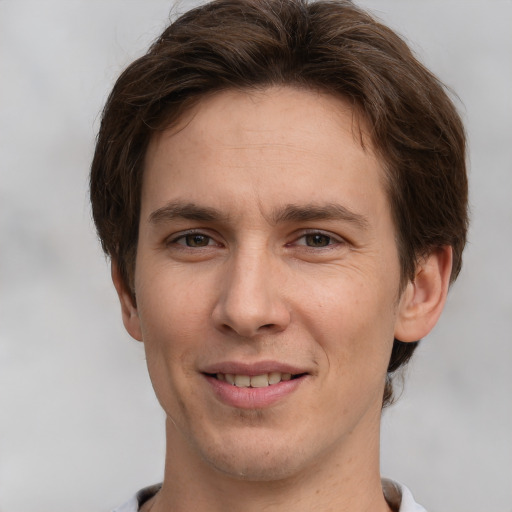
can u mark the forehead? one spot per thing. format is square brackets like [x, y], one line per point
[274, 145]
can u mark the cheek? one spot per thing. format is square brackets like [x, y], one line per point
[172, 331]
[172, 323]
[353, 323]
[171, 302]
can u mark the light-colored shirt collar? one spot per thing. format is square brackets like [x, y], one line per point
[400, 499]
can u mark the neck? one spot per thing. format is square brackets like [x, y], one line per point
[345, 479]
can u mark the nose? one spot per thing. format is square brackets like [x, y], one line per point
[250, 300]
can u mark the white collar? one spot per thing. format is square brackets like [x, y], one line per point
[397, 495]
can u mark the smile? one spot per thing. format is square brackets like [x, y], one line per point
[255, 381]
[254, 386]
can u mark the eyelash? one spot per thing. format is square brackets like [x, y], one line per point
[332, 239]
[175, 241]
[329, 237]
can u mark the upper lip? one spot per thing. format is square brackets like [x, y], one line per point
[252, 369]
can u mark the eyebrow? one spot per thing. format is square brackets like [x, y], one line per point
[287, 213]
[189, 211]
[312, 212]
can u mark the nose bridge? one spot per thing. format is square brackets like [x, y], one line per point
[250, 301]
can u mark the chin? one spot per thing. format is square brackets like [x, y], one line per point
[259, 468]
[257, 459]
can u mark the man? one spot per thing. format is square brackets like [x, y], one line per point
[281, 188]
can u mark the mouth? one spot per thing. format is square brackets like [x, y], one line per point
[254, 385]
[255, 381]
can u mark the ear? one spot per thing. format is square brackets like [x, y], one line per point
[423, 299]
[129, 311]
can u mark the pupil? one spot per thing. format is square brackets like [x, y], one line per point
[197, 240]
[317, 240]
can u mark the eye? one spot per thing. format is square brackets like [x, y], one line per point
[192, 240]
[196, 240]
[317, 240]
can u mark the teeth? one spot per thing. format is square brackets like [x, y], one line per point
[274, 377]
[257, 381]
[242, 381]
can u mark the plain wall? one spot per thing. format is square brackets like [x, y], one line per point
[80, 428]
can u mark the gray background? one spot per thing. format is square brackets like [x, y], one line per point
[79, 426]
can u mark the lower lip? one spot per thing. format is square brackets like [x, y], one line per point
[253, 398]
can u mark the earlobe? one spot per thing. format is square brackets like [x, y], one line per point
[128, 307]
[423, 299]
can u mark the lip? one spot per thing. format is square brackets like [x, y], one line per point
[253, 369]
[253, 398]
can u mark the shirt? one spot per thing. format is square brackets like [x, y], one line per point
[397, 495]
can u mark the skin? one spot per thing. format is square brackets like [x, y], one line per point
[263, 279]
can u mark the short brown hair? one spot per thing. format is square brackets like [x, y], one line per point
[325, 45]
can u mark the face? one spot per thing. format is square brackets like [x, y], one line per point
[266, 280]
